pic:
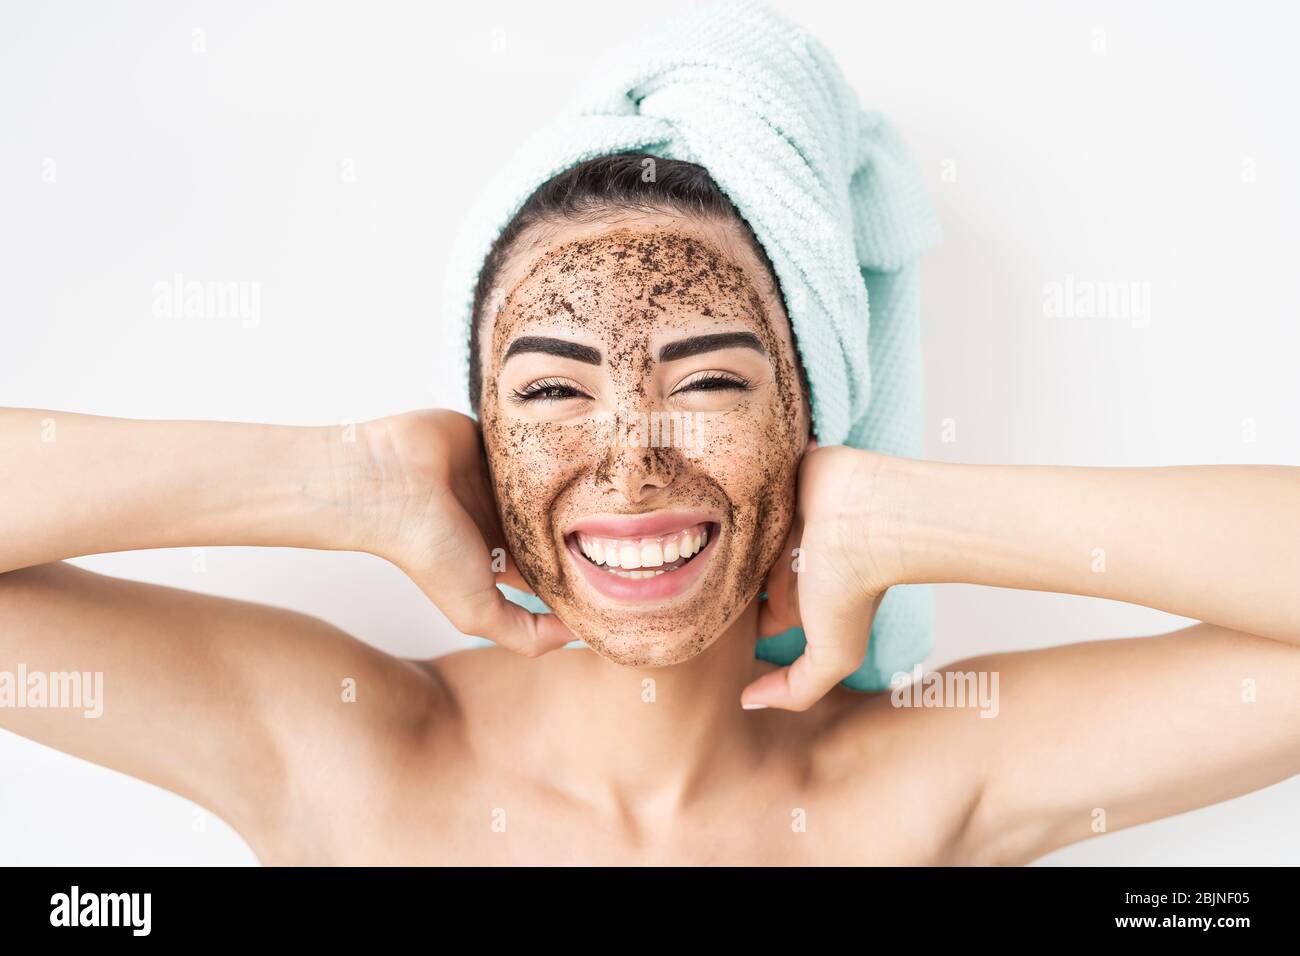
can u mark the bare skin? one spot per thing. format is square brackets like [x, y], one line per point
[527, 753]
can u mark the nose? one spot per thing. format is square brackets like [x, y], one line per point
[637, 469]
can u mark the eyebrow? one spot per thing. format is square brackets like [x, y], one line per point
[697, 344]
[561, 347]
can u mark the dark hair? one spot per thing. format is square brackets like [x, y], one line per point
[581, 193]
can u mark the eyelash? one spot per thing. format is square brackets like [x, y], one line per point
[716, 382]
[546, 389]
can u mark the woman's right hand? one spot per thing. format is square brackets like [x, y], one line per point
[410, 488]
[439, 523]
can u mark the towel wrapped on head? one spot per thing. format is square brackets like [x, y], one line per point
[831, 193]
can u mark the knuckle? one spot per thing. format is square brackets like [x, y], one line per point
[530, 649]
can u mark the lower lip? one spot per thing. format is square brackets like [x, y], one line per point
[661, 587]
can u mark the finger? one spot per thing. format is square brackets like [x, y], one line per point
[499, 550]
[483, 512]
[802, 684]
[463, 583]
[504, 564]
[837, 645]
[511, 576]
[492, 616]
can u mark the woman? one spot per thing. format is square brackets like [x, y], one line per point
[663, 740]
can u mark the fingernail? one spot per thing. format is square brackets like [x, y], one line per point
[753, 706]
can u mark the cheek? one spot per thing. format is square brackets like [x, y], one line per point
[753, 454]
[529, 457]
[531, 463]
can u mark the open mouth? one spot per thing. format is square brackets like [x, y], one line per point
[649, 558]
[636, 559]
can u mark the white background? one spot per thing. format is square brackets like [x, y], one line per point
[326, 151]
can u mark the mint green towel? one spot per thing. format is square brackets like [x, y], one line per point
[829, 189]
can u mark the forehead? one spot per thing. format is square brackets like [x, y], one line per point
[635, 270]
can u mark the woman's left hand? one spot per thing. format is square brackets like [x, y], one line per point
[831, 577]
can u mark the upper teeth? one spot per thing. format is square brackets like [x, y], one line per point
[631, 553]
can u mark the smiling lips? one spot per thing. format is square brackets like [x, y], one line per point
[657, 555]
[642, 558]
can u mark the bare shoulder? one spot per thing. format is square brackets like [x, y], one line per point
[346, 717]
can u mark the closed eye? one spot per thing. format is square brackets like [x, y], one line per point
[713, 382]
[547, 390]
[558, 390]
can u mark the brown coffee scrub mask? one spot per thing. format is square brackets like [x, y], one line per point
[644, 421]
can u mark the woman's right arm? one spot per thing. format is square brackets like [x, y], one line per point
[82, 484]
[410, 488]
[210, 697]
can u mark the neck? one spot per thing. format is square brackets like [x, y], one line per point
[644, 741]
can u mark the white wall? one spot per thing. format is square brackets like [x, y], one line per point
[325, 151]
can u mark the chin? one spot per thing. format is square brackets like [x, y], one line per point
[649, 590]
[650, 650]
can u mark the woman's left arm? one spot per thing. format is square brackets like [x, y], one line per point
[1218, 543]
[1098, 735]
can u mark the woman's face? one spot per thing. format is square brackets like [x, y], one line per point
[644, 420]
